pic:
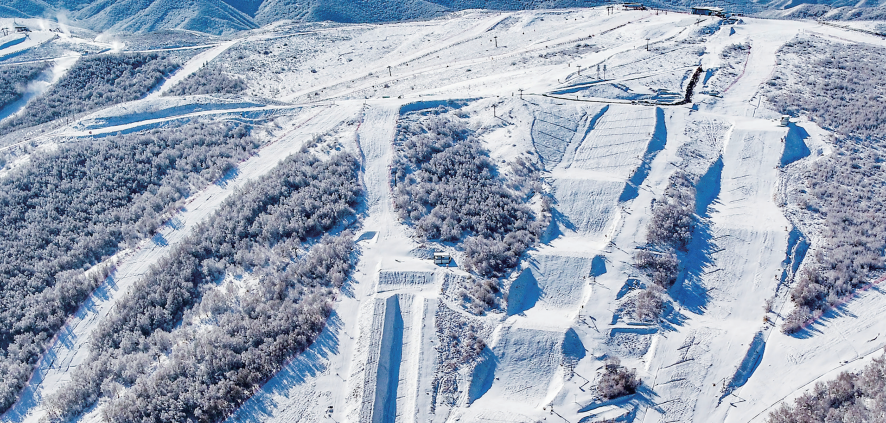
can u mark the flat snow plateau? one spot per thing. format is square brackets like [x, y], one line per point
[593, 97]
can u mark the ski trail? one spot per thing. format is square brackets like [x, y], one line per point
[744, 245]
[368, 375]
[378, 129]
[71, 347]
[39, 86]
[191, 67]
[553, 292]
[336, 377]
[742, 98]
[129, 127]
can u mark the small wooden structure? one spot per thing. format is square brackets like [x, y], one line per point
[442, 259]
[708, 11]
[633, 6]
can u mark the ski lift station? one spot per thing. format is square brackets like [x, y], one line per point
[634, 6]
[708, 11]
[442, 259]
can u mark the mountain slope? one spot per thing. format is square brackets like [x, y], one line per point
[146, 16]
[225, 16]
[351, 11]
[720, 190]
[24, 8]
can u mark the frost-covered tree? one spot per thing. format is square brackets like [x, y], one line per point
[661, 267]
[14, 81]
[273, 230]
[851, 397]
[208, 80]
[668, 235]
[840, 87]
[672, 220]
[649, 303]
[446, 186]
[66, 210]
[94, 82]
[616, 380]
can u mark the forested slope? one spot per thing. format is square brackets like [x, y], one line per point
[14, 81]
[446, 186]
[845, 190]
[69, 209]
[95, 82]
[220, 339]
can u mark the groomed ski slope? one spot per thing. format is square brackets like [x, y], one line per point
[605, 161]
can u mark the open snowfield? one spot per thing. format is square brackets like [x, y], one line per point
[593, 98]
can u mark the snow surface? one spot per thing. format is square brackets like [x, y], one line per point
[605, 161]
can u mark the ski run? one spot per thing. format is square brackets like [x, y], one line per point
[578, 91]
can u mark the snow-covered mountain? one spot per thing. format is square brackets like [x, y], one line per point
[579, 214]
[225, 16]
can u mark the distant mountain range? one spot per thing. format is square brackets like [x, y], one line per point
[225, 16]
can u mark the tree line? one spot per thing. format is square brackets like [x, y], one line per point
[668, 235]
[208, 80]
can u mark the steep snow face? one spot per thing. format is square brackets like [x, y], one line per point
[402, 343]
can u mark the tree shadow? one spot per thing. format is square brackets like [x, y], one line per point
[523, 293]
[103, 291]
[175, 223]
[643, 397]
[159, 240]
[347, 287]
[690, 292]
[229, 176]
[671, 318]
[559, 221]
[815, 326]
[806, 332]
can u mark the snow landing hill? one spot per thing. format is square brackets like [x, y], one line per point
[595, 122]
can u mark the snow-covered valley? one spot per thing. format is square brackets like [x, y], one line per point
[595, 100]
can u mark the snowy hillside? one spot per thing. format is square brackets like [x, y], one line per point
[227, 16]
[243, 228]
